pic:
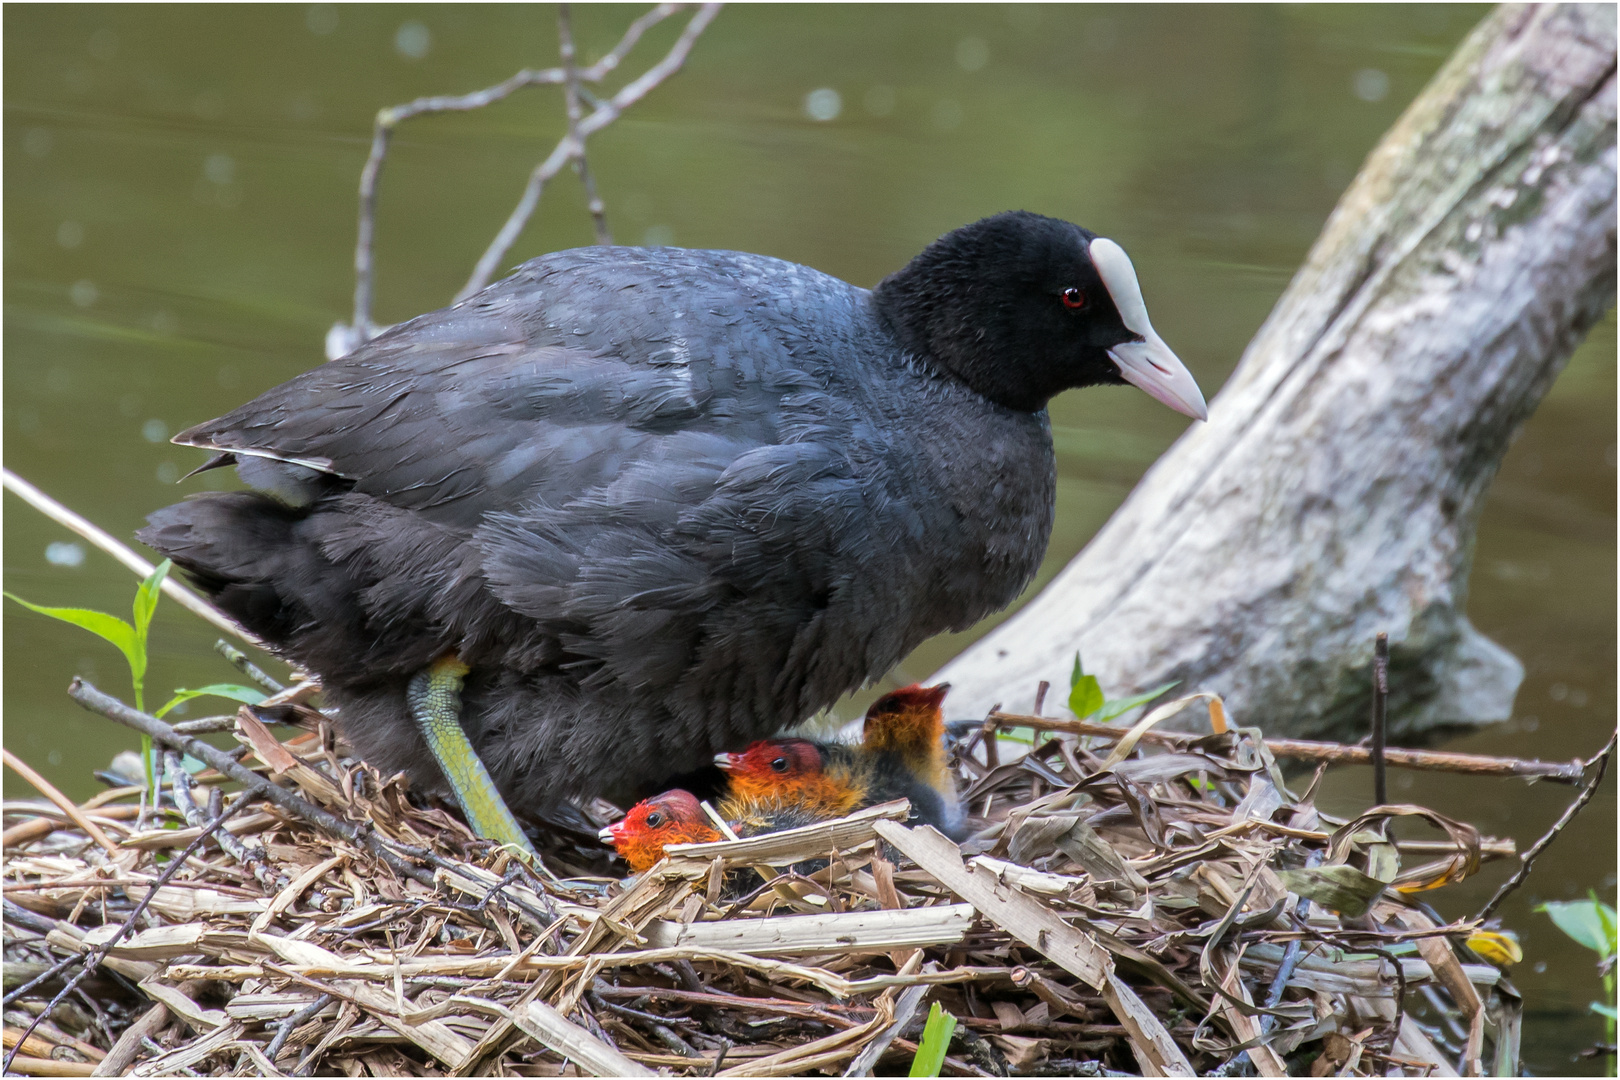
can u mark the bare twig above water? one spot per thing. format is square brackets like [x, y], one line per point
[175, 591]
[570, 150]
[574, 100]
[604, 114]
[1529, 857]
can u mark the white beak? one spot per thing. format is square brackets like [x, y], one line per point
[606, 835]
[1148, 365]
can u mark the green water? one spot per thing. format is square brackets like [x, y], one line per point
[179, 187]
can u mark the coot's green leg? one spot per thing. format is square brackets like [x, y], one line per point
[434, 697]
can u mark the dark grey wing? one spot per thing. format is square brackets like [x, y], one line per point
[644, 465]
[543, 387]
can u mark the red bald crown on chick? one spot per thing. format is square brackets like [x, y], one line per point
[675, 817]
[793, 772]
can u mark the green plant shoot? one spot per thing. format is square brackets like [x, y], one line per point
[1085, 694]
[245, 694]
[130, 639]
[1591, 923]
[1086, 699]
[1112, 708]
[936, 1039]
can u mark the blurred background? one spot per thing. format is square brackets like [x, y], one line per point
[180, 195]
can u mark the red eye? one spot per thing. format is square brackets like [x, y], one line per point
[1074, 299]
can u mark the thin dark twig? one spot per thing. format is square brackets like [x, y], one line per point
[1380, 718]
[626, 1011]
[92, 959]
[1291, 956]
[575, 109]
[1400, 990]
[658, 1024]
[113, 709]
[251, 857]
[1529, 857]
[240, 661]
[604, 114]
[285, 1028]
[43, 977]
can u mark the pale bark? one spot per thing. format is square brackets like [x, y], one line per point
[1336, 488]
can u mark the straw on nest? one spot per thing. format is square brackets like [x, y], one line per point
[1129, 905]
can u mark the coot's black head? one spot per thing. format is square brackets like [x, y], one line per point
[1021, 306]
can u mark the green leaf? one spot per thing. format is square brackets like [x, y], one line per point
[1085, 696]
[1588, 922]
[107, 627]
[1112, 709]
[936, 1040]
[1606, 913]
[146, 597]
[245, 694]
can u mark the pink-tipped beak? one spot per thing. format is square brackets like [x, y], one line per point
[726, 761]
[1151, 367]
[610, 835]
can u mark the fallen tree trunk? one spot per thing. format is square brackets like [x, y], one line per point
[1336, 488]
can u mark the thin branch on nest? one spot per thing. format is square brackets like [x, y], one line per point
[1332, 753]
[240, 661]
[92, 959]
[252, 858]
[113, 709]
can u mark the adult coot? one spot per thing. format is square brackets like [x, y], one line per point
[654, 503]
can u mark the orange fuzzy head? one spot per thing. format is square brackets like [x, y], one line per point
[910, 723]
[675, 817]
[790, 772]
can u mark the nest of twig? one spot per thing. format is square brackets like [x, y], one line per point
[1126, 906]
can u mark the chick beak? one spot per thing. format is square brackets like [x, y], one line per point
[1146, 363]
[610, 835]
[727, 762]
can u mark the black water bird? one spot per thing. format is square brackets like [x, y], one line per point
[634, 506]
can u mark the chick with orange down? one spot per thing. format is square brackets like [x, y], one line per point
[676, 817]
[901, 755]
[778, 784]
